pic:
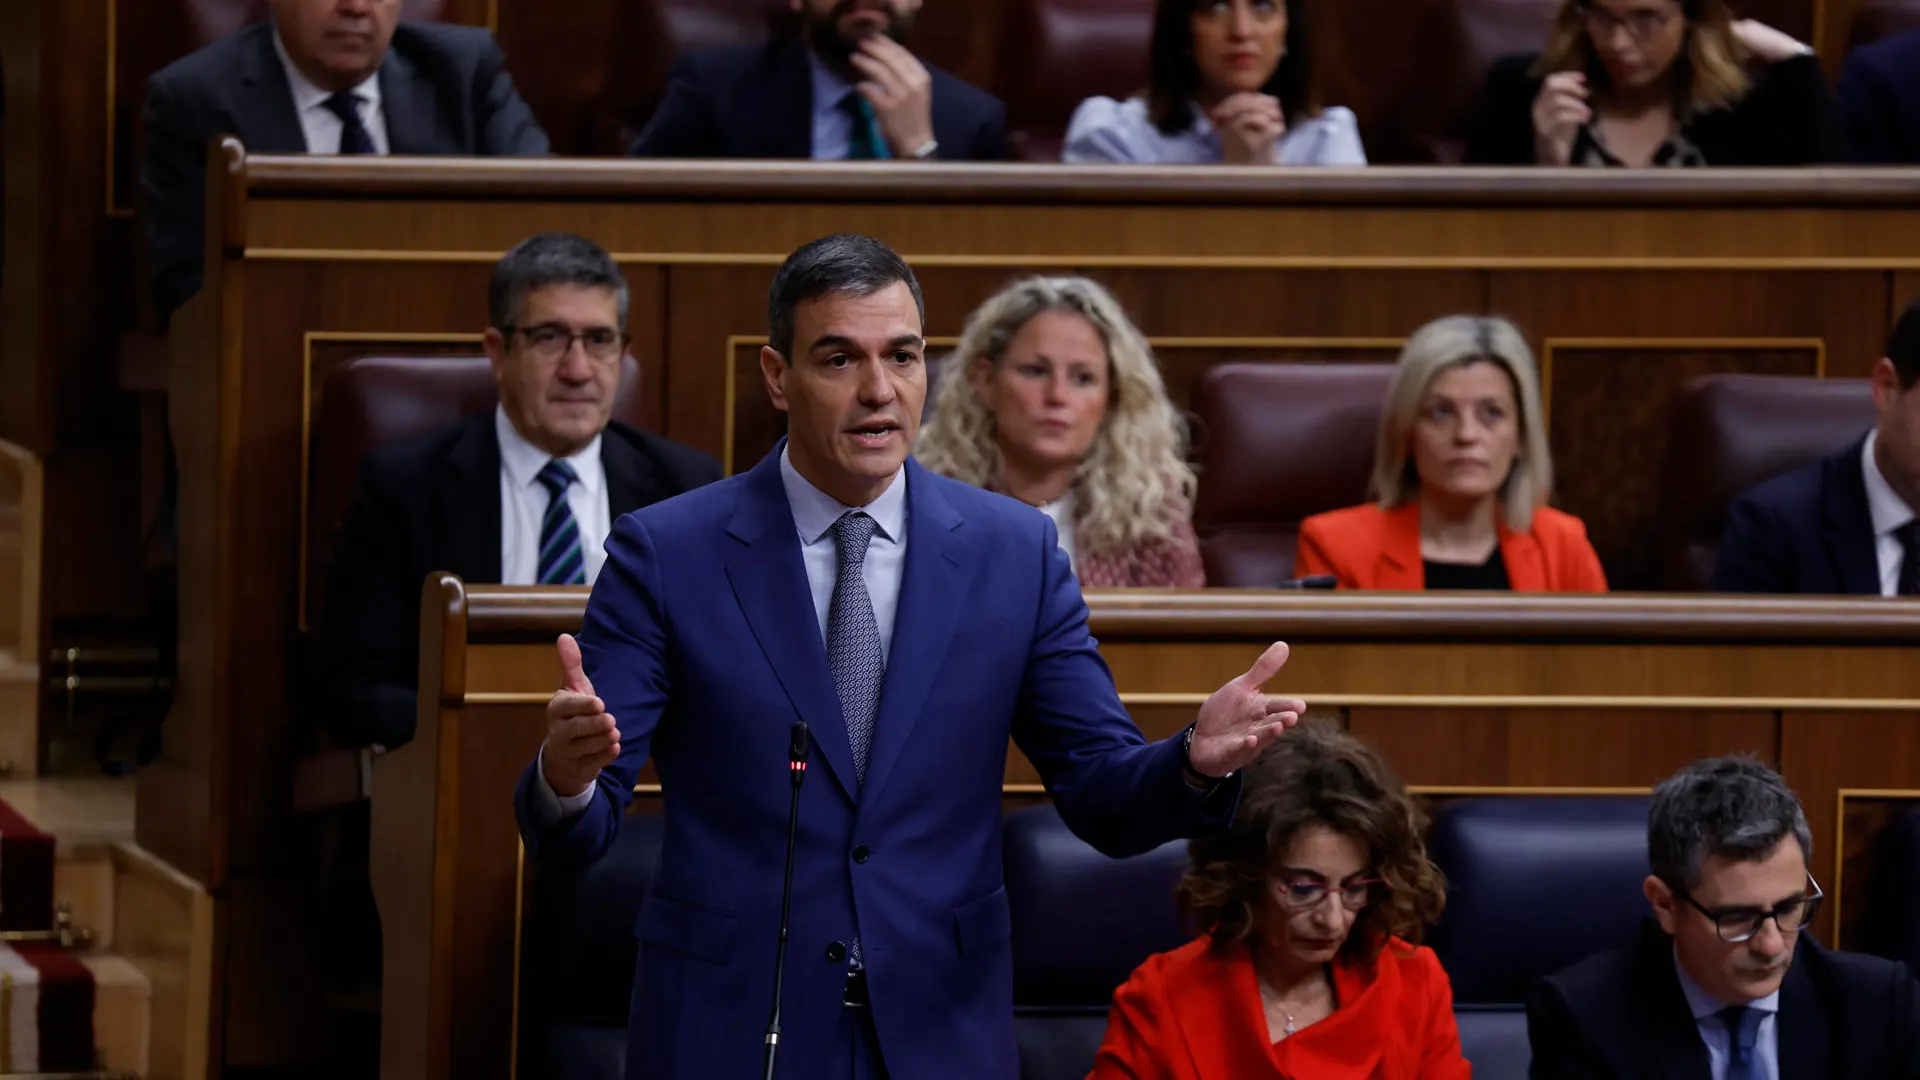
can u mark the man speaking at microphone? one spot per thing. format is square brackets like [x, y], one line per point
[914, 623]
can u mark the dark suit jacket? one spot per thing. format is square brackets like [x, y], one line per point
[1805, 531]
[434, 504]
[1787, 118]
[1622, 1015]
[1879, 96]
[756, 101]
[443, 89]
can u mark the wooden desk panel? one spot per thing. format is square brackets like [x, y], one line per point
[1465, 695]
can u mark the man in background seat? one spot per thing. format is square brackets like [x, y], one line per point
[319, 77]
[846, 88]
[524, 494]
[1844, 524]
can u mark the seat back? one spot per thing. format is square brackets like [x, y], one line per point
[1493, 1039]
[649, 35]
[1533, 885]
[375, 401]
[1058, 53]
[1729, 432]
[1874, 20]
[1893, 893]
[1282, 442]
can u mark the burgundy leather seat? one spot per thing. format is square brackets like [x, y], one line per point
[1056, 54]
[1282, 442]
[649, 35]
[1729, 432]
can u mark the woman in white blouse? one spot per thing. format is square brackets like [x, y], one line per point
[1230, 83]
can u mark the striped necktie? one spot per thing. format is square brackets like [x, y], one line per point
[560, 560]
[864, 142]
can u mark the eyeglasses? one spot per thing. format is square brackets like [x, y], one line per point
[1305, 894]
[1640, 25]
[550, 342]
[1735, 925]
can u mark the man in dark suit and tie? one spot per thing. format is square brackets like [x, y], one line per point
[523, 494]
[1728, 985]
[914, 623]
[319, 77]
[1844, 524]
[1879, 100]
[845, 88]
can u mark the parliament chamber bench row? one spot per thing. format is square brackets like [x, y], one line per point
[1534, 884]
[1533, 726]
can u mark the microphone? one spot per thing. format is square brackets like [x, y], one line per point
[797, 769]
[1311, 581]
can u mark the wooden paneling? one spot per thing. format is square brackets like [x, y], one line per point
[165, 925]
[26, 380]
[1823, 752]
[1863, 821]
[1582, 748]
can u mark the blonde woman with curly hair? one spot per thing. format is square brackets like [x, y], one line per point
[1054, 398]
[1658, 83]
[1310, 906]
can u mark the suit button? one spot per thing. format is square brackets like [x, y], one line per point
[836, 952]
[860, 854]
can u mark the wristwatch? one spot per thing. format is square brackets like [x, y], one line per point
[927, 149]
[1186, 759]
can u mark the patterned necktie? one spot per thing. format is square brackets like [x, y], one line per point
[1743, 1030]
[853, 638]
[560, 561]
[1909, 580]
[864, 143]
[353, 134]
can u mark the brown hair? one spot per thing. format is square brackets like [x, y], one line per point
[1315, 774]
[1712, 66]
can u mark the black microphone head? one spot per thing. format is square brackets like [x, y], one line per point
[797, 748]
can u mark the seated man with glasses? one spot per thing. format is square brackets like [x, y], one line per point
[523, 494]
[1309, 906]
[1731, 984]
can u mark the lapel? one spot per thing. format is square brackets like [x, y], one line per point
[1221, 1019]
[1672, 1048]
[407, 102]
[1849, 524]
[631, 483]
[1400, 568]
[787, 105]
[1526, 562]
[1800, 1029]
[265, 115]
[470, 500]
[933, 590]
[769, 580]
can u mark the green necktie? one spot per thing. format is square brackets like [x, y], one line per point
[865, 143]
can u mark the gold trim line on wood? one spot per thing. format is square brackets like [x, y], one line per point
[1437, 790]
[1622, 344]
[1455, 701]
[1157, 262]
[307, 340]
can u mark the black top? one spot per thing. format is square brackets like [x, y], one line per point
[1491, 574]
[1787, 118]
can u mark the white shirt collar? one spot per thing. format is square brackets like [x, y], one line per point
[815, 511]
[1888, 510]
[1704, 1005]
[829, 88]
[308, 96]
[523, 461]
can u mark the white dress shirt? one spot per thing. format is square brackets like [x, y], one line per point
[1103, 131]
[317, 122]
[814, 514]
[1713, 1030]
[1061, 511]
[1890, 514]
[524, 499]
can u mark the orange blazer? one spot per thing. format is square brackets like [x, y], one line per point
[1366, 547]
[1195, 1014]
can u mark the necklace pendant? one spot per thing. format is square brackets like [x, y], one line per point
[1288, 1030]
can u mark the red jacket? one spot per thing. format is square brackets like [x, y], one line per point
[1366, 547]
[1195, 1014]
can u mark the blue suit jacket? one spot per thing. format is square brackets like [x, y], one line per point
[701, 638]
[1805, 531]
[1879, 98]
[756, 101]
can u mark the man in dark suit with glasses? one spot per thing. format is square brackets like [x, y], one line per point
[1729, 985]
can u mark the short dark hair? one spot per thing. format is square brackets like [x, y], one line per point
[845, 263]
[1315, 774]
[550, 258]
[1903, 345]
[1732, 807]
[1173, 75]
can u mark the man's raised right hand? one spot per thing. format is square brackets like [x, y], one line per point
[582, 738]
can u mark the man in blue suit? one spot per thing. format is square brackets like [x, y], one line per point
[845, 88]
[1844, 524]
[1879, 99]
[915, 623]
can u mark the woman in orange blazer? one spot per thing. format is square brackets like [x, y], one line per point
[1462, 474]
[1054, 397]
[1305, 967]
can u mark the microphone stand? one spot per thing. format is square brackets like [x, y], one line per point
[797, 768]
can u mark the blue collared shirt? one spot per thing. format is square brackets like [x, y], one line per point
[1120, 132]
[814, 513]
[832, 124]
[1713, 1029]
